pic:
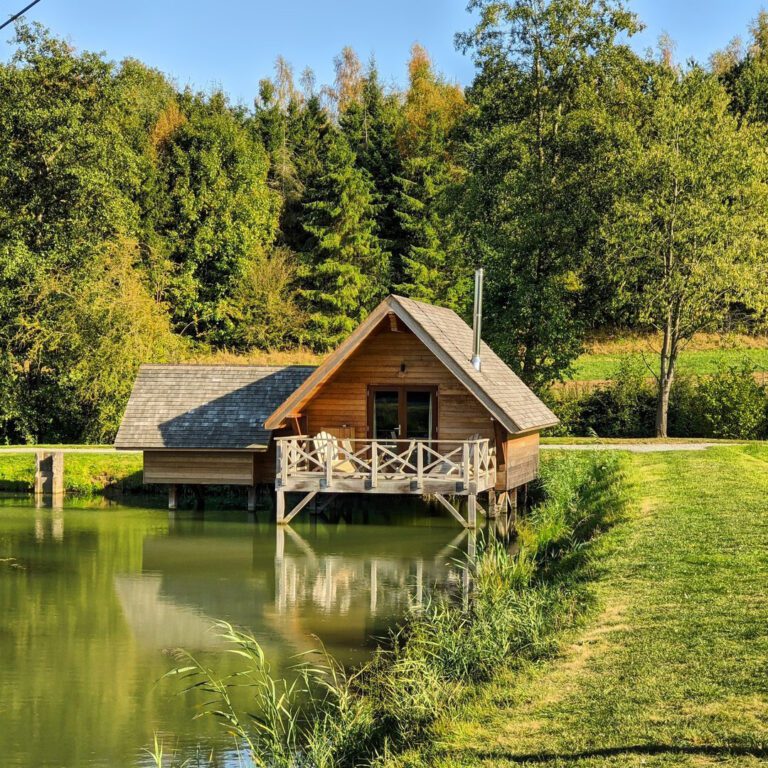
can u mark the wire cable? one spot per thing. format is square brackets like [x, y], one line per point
[17, 15]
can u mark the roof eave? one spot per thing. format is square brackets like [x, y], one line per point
[330, 366]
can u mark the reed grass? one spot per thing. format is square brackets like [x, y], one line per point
[439, 655]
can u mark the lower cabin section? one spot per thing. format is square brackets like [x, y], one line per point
[202, 468]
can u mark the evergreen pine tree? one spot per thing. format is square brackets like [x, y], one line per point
[371, 125]
[434, 266]
[344, 266]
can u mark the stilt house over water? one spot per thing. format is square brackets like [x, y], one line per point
[411, 403]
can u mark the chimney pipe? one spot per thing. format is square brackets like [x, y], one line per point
[477, 319]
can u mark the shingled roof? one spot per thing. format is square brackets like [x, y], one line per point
[449, 338]
[205, 406]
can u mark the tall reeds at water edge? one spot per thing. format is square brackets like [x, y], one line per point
[521, 600]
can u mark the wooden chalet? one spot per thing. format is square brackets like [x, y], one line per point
[411, 403]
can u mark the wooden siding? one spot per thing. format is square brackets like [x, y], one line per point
[203, 467]
[342, 401]
[519, 462]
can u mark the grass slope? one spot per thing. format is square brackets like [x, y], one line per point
[702, 362]
[673, 669]
[83, 472]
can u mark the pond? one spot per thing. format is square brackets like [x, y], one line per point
[93, 600]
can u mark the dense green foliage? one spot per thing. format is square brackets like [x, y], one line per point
[731, 403]
[141, 223]
[519, 604]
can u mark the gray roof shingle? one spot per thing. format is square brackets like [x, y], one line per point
[516, 406]
[205, 406]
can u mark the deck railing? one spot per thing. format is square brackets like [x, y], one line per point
[327, 462]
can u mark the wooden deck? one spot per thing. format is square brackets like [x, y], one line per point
[326, 464]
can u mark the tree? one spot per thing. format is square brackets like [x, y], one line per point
[263, 306]
[434, 267]
[371, 125]
[745, 73]
[538, 142]
[95, 326]
[690, 224]
[344, 269]
[69, 179]
[214, 210]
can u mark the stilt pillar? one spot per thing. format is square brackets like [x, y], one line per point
[280, 506]
[472, 510]
[173, 496]
[492, 508]
[251, 498]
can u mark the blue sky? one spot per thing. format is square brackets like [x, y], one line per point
[233, 44]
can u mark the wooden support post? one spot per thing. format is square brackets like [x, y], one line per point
[173, 496]
[419, 466]
[374, 464]
[280, 506]
[282, 463]
[295, 511]
[492, 508]
[454, 512]
[251, 498]
[472, 511]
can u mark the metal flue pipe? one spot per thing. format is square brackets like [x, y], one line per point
[477, 320]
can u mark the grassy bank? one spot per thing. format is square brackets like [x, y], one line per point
[599, 366]
[521, 603]
[671, 670]
[84, 473]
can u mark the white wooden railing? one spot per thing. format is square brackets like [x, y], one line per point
[328, 459]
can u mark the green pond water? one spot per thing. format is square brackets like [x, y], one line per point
[93, 599]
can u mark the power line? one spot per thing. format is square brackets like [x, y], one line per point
[20, 13]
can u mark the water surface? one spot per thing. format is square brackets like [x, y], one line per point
[93, 601]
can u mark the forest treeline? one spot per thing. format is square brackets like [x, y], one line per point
[599, 188]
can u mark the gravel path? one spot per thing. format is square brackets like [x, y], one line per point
[635, 447]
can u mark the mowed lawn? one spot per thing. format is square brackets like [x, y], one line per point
[672, 667]
[701, 362]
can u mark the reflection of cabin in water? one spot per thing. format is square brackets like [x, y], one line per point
[408, 404]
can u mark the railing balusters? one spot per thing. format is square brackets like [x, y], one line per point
[330, 446]
[419, 465]
[425, 464]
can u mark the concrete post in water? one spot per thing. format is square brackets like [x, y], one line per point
[49, 474]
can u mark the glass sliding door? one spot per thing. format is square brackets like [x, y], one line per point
[386, 414]
[418, 414]
[402, 413]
